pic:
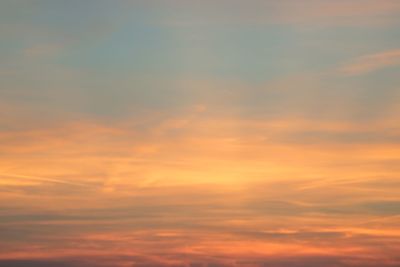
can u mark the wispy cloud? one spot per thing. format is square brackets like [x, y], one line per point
[373, 62]
[288, 12]
[41, 179]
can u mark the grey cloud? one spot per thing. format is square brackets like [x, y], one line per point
[383, 207]
[36, 263]
[204, 261]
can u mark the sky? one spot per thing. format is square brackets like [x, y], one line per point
[199, 133]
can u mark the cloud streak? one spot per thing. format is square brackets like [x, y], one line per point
[42, 179]
[371, 63]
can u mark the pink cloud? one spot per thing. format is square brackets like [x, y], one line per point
[373, 62]
[296, 13]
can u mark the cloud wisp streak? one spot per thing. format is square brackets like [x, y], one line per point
[374, 62]
[42, 179]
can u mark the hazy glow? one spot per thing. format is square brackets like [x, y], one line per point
[199, 133]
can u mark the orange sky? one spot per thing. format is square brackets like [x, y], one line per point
[176, 133]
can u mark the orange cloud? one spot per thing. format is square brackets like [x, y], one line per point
[196, 188]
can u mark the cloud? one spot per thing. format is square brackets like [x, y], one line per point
[165, 151]
[42, 179]
[334, 13]
[374, 62]
[107, 163]
[178, 226]
[316, 13]
[175, 259]
[35, 263]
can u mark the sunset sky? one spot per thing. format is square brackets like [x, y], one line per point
[200, 133]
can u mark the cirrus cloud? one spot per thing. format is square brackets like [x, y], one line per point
[373, 62]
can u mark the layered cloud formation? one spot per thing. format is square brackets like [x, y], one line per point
[183, 133]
